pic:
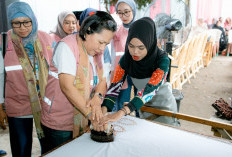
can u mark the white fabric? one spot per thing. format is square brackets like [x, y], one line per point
[120, 53]
[64, 59]
[1, 77]
[14, 67]
[230, 36]
[92, 64]
[54, 74]
[215, 34]
[48, 101]
[28, 116]
[113, 55]
[106, 73]
[146, 139]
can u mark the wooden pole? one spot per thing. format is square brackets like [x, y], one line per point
[187, 118]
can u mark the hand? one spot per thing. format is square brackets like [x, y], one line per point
[96, 125]
[112, 117]
[95, 104]
[3, 118]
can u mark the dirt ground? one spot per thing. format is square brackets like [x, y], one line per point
[210, 84]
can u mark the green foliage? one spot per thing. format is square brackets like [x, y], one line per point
[140, 3]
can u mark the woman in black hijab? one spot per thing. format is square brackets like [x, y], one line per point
[148, 67]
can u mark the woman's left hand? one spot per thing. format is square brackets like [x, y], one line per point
[95, 104]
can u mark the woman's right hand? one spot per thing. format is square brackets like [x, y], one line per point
[96, 124]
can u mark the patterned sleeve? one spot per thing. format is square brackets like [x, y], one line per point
[157, 79]
[114, 89]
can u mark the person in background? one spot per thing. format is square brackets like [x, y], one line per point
[106, 57]
[220, 19]
[200, 27]
[26, 62]
[126, 9]
[210, 26]
[3, 117]
[148, 67]
[227, 25]
[77, 14]
[66, 25]
[223, 39]
[76, 84]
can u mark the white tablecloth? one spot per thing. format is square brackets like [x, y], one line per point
[142, 138]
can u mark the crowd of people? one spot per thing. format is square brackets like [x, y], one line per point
[225, 42]
[66, 79]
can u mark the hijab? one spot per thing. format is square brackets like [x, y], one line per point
[87, 12]
[59, 27]
[132, 4]
[22, 9]
[144, 30]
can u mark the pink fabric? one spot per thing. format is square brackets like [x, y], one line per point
[227, 26]
[208, 9]
[119, 41]
[17, 98]
[112, 9]
[157, 8]
[59, 115]
[55, 37]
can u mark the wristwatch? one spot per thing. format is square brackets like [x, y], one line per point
[99, 95]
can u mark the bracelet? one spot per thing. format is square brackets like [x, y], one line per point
[124, 110]
[99, 95]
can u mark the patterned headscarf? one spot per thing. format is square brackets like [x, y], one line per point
[87, 12]
[132, 4]
[59, 27]
[22, 9]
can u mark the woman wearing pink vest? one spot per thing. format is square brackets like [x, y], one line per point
[126, 9]
[66, 25]
[76, 84]
[26, 64]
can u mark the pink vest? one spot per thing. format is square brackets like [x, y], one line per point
[16, 93]
[57, 111]
[55, 37]
[119, 41]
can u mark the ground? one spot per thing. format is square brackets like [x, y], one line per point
[210, 84]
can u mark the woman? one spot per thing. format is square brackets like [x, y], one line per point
[75, 83]
[223, 39]
[227, 25]
[26, 64]
[106, 55]
[148, 67]
[126, 9]
[66, 25]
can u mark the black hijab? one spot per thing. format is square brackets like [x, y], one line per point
[144, 30]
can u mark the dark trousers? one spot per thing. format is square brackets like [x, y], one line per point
[53, 138]
[20, 136]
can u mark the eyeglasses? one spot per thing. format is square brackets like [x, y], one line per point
[126, 13]
[18, 24]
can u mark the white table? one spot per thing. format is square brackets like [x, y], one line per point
[146, 139]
